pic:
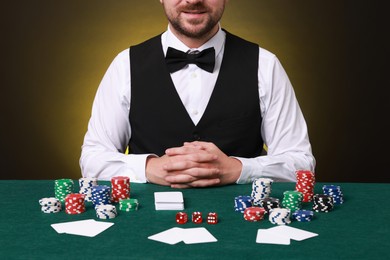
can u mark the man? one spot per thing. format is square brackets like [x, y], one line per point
[188, 126]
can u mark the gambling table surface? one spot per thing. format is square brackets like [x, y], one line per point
[357, 229]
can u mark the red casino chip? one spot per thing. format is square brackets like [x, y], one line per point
[254, 214]
[75, 203]
[120, 188]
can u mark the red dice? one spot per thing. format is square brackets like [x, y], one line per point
[197, 217]
[212, 218]
[181, 218]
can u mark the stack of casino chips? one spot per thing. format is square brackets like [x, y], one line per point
[335, 192]
[50, 205]
[292, 200]
[254, 214]
[261, 189]
[242, 202]
[280, 216]
[322, 203]
[86, 185]
[74, 203]
[305, 184]
[106, 211]
[270, 203]
[128, 204]
[101, 195]
[303, 215]
[120, 188]
[63, 187]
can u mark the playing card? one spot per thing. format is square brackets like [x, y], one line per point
[293, 233]
[88, 227]
[266, 236]
[171, 236]
[197, 235]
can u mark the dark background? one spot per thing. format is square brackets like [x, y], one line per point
[54, 55]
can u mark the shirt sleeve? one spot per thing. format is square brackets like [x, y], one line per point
[103, 151]
[283, 129]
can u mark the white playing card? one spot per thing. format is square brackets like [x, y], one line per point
[88, 227]
[171, 236]
[293, 233]
[266, 236]
[198, 235]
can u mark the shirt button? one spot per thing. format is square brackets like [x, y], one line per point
[195, 112]
[194, 75]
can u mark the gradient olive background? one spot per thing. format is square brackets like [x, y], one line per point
[54, 54]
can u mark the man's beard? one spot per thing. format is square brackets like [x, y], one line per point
[197, 33]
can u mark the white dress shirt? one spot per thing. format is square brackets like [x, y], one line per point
[283, 128]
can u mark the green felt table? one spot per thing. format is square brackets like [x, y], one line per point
[357, 229]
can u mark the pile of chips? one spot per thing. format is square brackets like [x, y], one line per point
[270, 203]
[280, 216]
[335, 192]
[74, 203]
[128, 204]
[305, 184]
[322, 203]
[63, 187]
[101, 195]
[242, 202]
[261, 189]
[86, 185]
[303, 215]
[120, 188]
[106, 211]
[50, 205]
[292, 200]
[254, 214]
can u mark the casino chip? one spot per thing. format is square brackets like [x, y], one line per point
[254, 214]
[128, 204]
[74, 203]
[305, 184]
[280, 216]
[322, 203]
[86, 185]
[261, 189]
[101, 195]
[335, 192]
[303, 215]
[270, 203]
[292, 200]
[63, 187]
[106, 211]
[50, 205]
[242, 202]
[120, 188]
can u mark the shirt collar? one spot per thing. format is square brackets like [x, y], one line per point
[168, 39]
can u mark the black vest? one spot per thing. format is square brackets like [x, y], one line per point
[232, 117]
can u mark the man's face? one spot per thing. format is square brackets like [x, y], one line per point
[194, 18]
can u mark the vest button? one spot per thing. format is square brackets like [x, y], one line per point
[196, 137]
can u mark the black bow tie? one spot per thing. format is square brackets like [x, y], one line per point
[176, 59]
